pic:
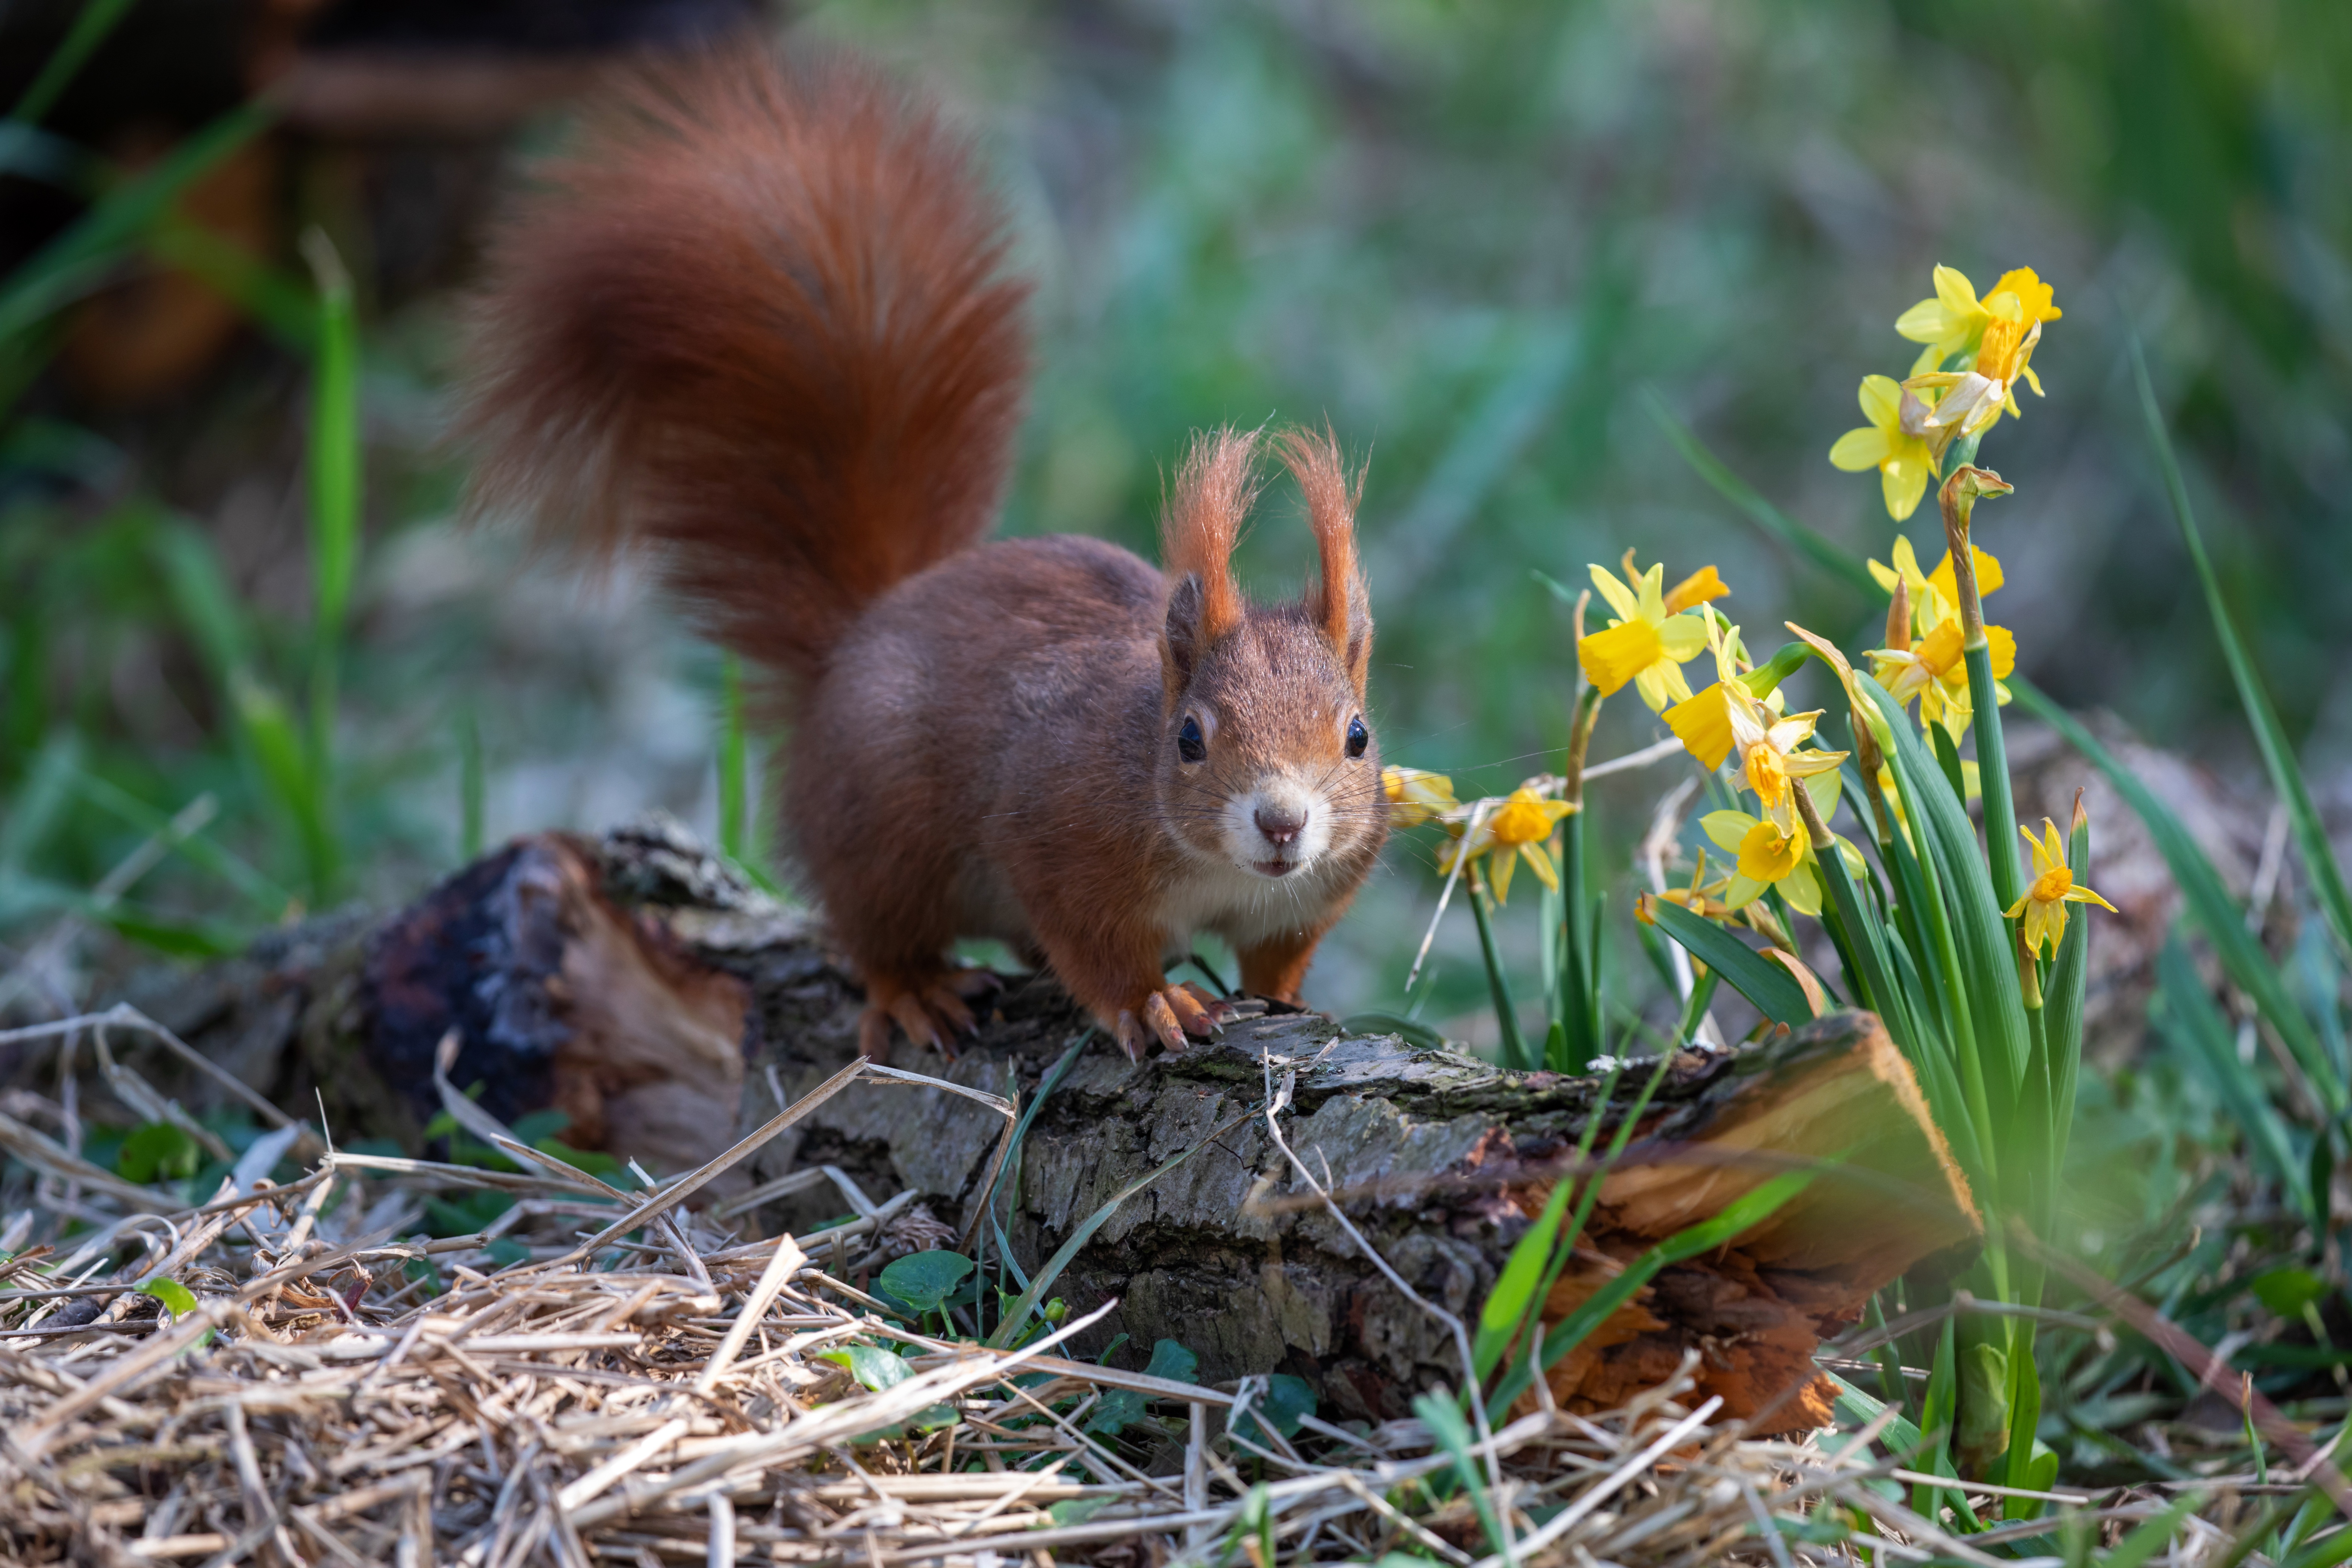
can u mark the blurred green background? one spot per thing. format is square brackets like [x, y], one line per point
[1475, 236]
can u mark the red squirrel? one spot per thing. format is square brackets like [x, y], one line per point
[759, 321]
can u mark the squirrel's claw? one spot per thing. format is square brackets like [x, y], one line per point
[1160, 1019]
[933, 1014]
[1192, 1012]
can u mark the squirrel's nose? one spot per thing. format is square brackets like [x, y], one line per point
[1278, 826]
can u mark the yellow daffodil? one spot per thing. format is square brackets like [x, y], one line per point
[1765, 858]
[1769, 759]
[1647, 644]
[1702, 722]
[1935, 597]
[1513, 831]
[1930, 665]
[1700, 587]
[1902, 458]
[1702, 901]
[1954, 320]
[2008, 324]
[1416, 796]
[2044, 903]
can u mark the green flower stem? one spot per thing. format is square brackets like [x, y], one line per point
[1579, 1012]
[1957, 499]
[1506, 1014]
[1992, 774]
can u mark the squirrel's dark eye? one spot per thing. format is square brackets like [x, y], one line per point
[1357, 737]
[1189, 744]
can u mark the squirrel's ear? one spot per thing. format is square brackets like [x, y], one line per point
[1339, 602]
[1181, 642]
[1204, 515]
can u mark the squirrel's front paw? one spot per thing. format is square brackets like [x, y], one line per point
[932, 1011]
[1167, 1015]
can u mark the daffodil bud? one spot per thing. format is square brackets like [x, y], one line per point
[1968, 485]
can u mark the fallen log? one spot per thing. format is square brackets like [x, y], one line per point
[641, 988]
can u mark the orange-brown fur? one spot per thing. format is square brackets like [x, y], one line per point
[760, 322]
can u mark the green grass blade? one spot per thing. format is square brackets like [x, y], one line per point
[1773, 991]
[335, 465]
[2151, 1536]
[472, 786]
[734, 761]
[2286, 774]
[40, 800]
[2209, 903]
[1522, 1372]
[1498, 984]
[1509, 1305]
[2195, 1029]
[89, 29]
[1019, 1312]
[1744, 1213]
[282, 304]
[334, 442]
[266, 897]
[80, 258]
[1445, 1423]
[1805, 543]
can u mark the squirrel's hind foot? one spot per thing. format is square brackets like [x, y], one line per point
[930, 1011]
[1168, 1016]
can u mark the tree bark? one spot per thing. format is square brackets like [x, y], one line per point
[641, 988]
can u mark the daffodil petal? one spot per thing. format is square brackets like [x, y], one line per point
[1882, 401]
[1619, 597]
[1684, 637]
[1726, 828]
[1802, 890]
[1957, 293]
[1859, 451]
[1901, 482]
[1923, 323]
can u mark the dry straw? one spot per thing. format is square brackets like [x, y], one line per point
[271, 1378]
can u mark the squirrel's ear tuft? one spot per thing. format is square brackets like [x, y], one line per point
[1339, 601]
[1202, 517]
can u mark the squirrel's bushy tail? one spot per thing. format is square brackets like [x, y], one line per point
[758, 319]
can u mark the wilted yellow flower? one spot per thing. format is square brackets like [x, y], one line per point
[1702, 902]
[1416, 796]
[1513, 831]
[1954, 320]
[1902, 458]
[2007, 325]
[1646, 645]
[2044, 903]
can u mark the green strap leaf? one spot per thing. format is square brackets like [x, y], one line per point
[2286, 774]
[1805, 543]
[1773, 991]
